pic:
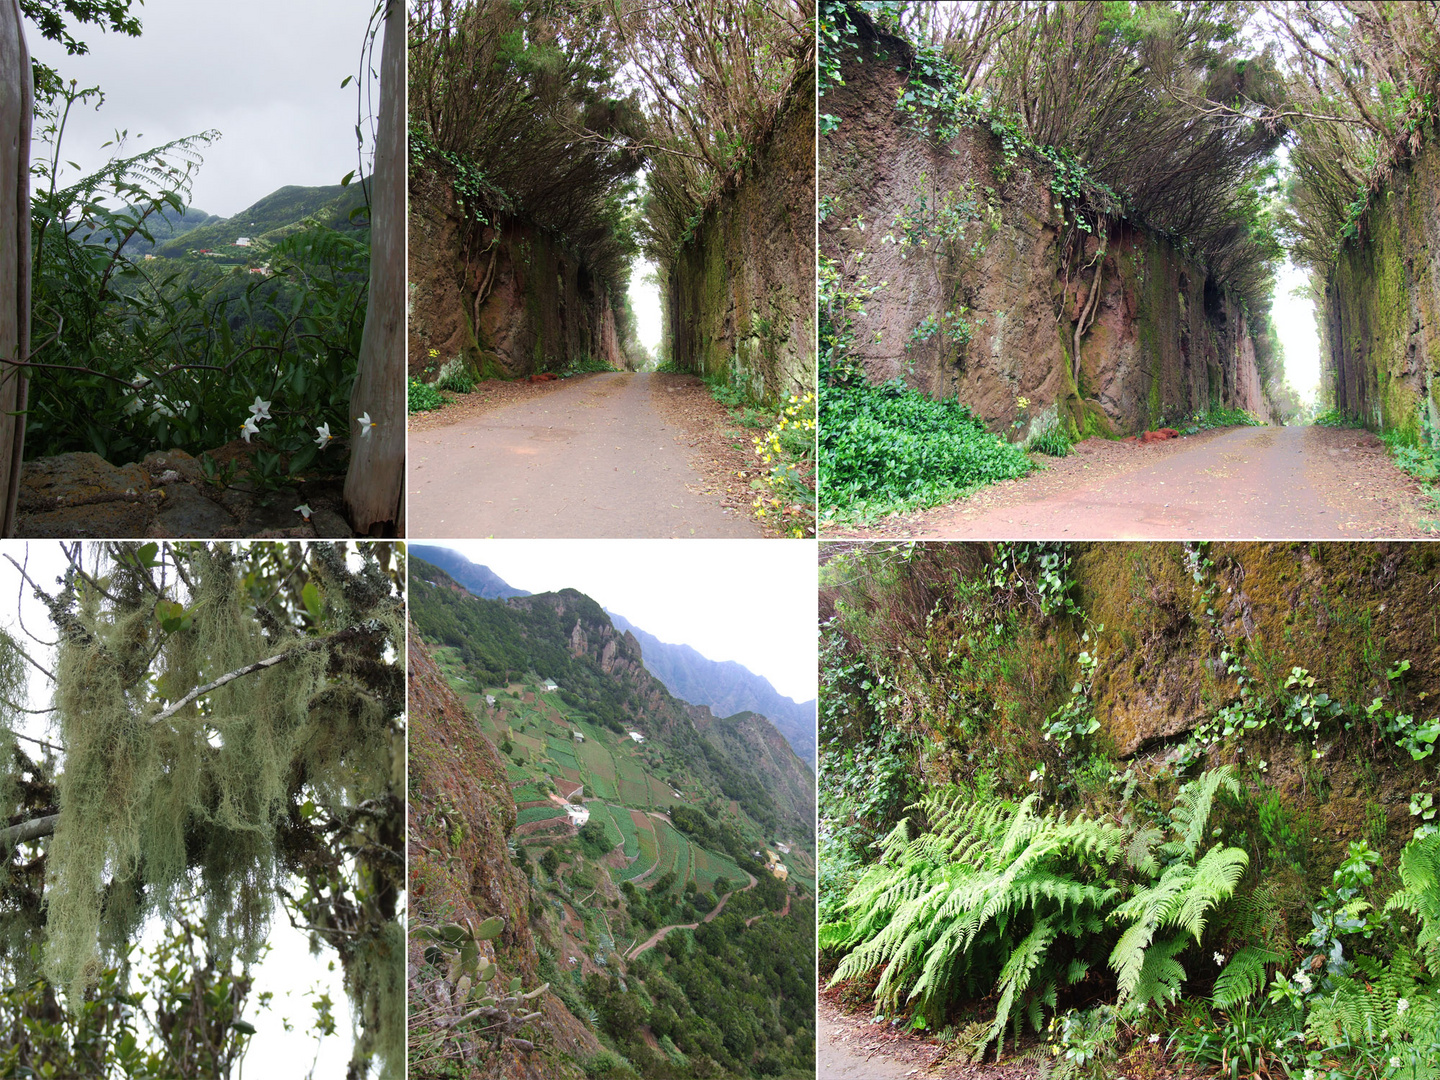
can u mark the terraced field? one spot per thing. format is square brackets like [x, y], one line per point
[624, 781]
[538, 813]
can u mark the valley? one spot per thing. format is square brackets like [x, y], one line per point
[654, 863]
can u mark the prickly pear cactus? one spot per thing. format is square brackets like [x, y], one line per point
[470, 992]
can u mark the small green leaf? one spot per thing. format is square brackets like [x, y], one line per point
[345, 180]
[146, 555]
[243, 1027]
[310, 595]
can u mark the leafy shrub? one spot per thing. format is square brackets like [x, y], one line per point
[1333, 418]
[423, 397]
[1052, 441]
[586, 362]
[174, 353]
[1218, 416]
[891, 447]
[457, 375]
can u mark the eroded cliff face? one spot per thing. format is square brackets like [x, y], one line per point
[1381, 328]
[740, 298]
[461, 815]
[1166, 340]
[511, 299]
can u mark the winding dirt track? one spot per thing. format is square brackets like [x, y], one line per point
[656, 937]
[593, 458]
[1265, 483]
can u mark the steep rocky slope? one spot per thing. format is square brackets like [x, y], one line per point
[1380, 332]
[725, 687]
[511, 300]
[740, 297]
[461, 812]
[1166, 339]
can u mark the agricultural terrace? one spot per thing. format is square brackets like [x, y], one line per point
[626, 786]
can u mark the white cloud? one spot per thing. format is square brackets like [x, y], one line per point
[266, 73]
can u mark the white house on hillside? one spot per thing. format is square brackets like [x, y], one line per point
[637, 736]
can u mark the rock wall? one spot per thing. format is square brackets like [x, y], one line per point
[1380, 335]
[740, 297]
[1166, 339]
[1348, 613]
[510, 298]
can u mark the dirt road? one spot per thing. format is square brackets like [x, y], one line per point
[845, 1050]
[1236, 484]
[656, 937]
[593, 458]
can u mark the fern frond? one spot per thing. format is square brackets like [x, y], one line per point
[1191, 812]
[1244, 976]
[1015, 976]
[1420, 876]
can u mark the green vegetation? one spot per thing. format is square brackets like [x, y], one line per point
[1218, 416]
[174, 352]
[1004, 855]
[725, 1000]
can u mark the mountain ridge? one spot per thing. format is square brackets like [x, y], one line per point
[726, 687]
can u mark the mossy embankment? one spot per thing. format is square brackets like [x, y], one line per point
[740, 294]
[956, 662]
[1381, 296]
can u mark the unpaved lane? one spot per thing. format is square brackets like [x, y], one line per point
[845, 1051]
[1246, 483]
[591, 459]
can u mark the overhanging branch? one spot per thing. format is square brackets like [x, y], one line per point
[16, 835]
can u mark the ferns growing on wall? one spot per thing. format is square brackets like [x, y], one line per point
[1004, 898]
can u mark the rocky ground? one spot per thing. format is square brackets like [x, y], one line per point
[82, 496]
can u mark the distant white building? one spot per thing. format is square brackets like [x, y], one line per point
[244, 241]
[784, 848]
[637, 736]
[489, 699]
[548, 686]
[578, 737]
[579, 815]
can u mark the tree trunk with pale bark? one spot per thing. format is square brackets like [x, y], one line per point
[375, 483]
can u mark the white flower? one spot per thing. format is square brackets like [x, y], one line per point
[1302, 980]
[261, 409]
[304, 511]
[1401, 1006]
[365, 424]
[1033, 775]
[1394, 1062]
[250, 427]
[1309, 1075]
[1155, 1037]
[323, 436]
[1219, 959]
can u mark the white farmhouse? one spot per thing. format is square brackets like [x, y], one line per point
[637, 736]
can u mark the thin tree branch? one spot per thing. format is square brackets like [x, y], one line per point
[26, 831]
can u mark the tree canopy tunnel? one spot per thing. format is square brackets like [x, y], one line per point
[1239, 133]
[555, 144]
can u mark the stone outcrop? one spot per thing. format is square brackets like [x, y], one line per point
[83, 496]
[511, 299]
[1380, 336]
[740, 296]
[1165, 339]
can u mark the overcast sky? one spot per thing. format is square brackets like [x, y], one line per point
[265, 73]
[1293, 313]
[751, 601]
